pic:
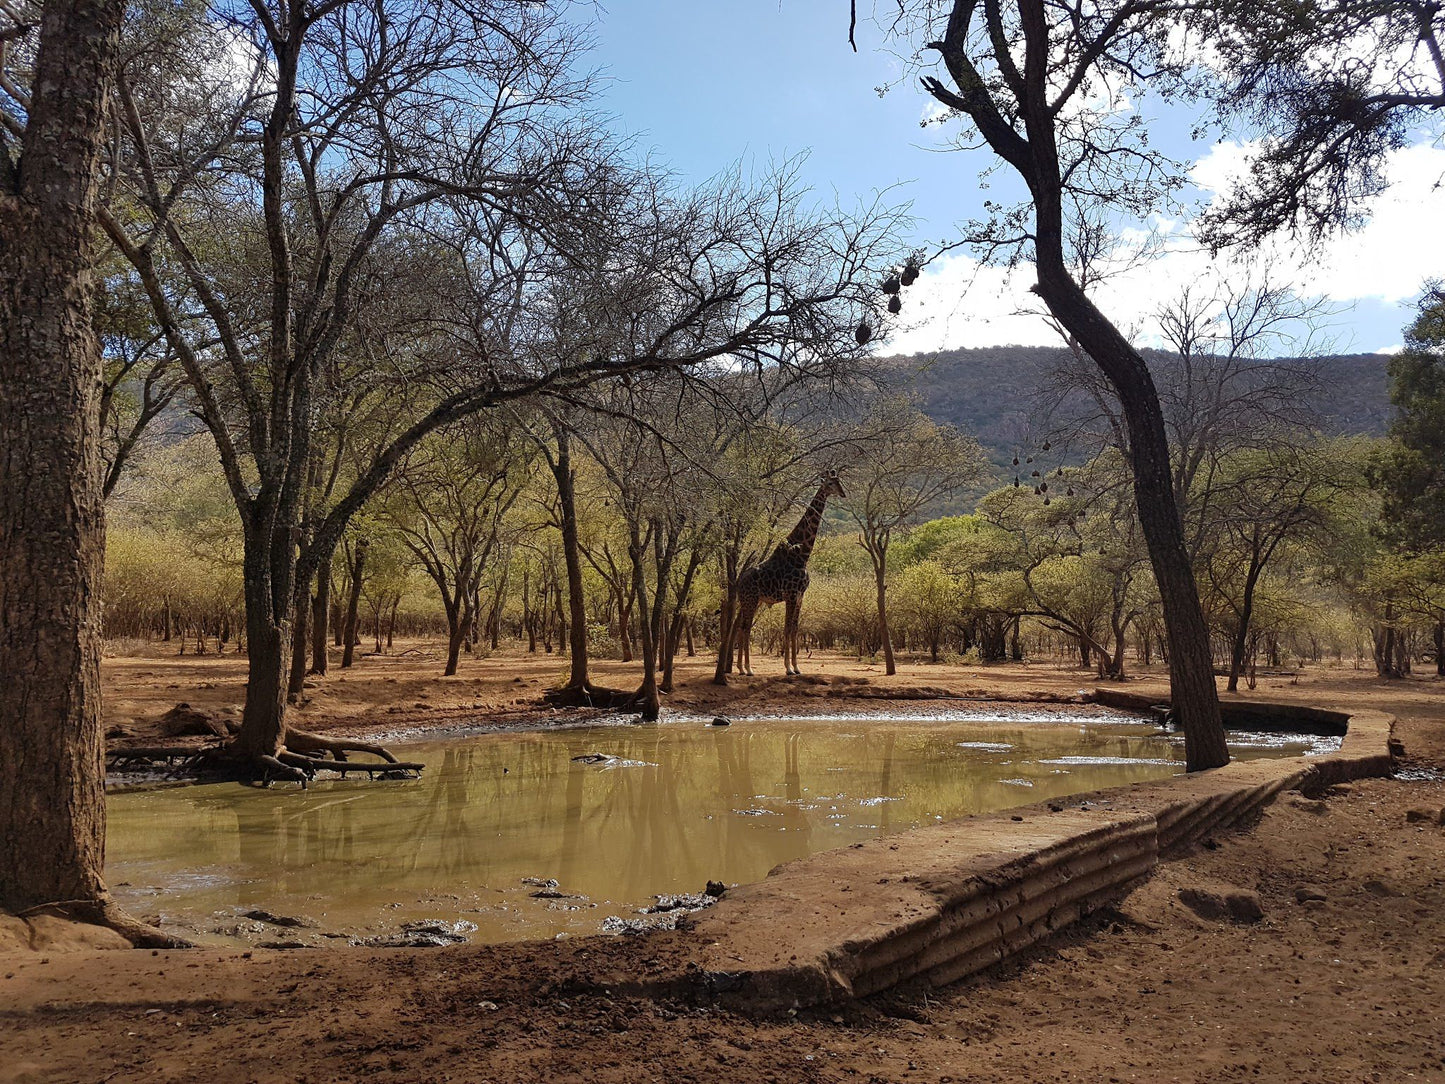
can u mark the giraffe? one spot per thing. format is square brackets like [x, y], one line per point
[783, 577]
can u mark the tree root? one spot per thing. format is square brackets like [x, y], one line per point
[302, 741]
[298, 761]
[106, 912]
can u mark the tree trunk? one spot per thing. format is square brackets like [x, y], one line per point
[529, 616]
[52, 526]
[1246, 614]
[320, 615]
[563, 644]
[727, 619]
[459, 620]
[268, 636]
[1191, 664]
[300, 632]
[680, 619]
[1439, 637]
[880, 581]
[1116, 657]
[650, 610]
[353, 602]
[624, 623]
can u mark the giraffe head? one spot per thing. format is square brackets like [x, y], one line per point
[832, 487]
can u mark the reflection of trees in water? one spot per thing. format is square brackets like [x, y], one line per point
[618, 833]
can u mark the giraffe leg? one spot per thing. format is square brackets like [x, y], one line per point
[790, 636]
[744, 636]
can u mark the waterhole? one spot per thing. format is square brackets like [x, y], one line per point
[614, 815]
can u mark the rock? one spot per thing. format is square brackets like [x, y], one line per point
[721, 720]
[487, 1006]
[14, 934]
[1425, 816]
[1309, 805]
[185, 721]
[281, 944]
[118, 731]
[646, 923]
[51, 933]
[280, 920]
[681, 901]
[432, 933]
[715, 889]
[1215, 903]
[1306, 894]
[1381, 889]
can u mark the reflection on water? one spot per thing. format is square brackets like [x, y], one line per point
[694, 803]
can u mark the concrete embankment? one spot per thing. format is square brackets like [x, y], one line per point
[938, 903]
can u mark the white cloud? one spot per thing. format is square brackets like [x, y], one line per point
[1387, 259]
[957, 303]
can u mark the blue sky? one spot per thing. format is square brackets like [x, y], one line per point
[702, 86]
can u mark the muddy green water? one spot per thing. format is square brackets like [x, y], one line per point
[683, 803]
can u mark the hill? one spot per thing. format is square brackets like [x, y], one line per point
[989, 391]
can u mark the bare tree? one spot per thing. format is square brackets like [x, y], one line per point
[905, 465]
[449, 132]
[1265, 500]
[647, 474]
[1222, 387]
[1040, 84]
[141, 378]
[451, 498]
[1075, 557]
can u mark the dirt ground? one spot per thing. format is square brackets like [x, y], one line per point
[1348, 987]
[404, 690]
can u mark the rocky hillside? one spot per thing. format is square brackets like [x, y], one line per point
[989, 391]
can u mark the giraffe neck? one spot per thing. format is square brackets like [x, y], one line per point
[800, 541]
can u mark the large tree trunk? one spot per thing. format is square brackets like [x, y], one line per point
[268, 640]
[1194, 698]
[52, 527]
